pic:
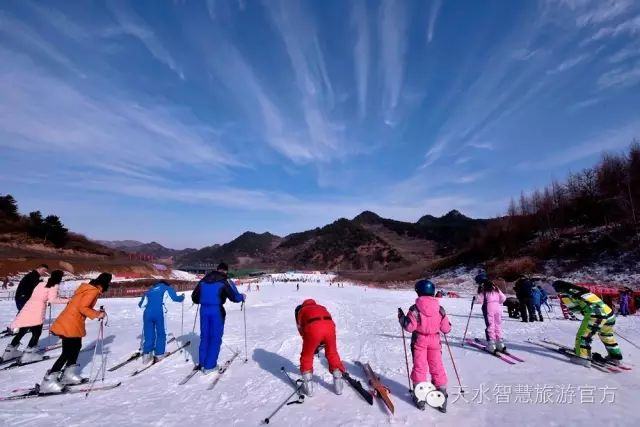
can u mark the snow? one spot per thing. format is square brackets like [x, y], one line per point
[367, 331]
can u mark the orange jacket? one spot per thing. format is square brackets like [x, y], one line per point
[70, 323]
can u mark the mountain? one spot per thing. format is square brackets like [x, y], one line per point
[368, 242]
[247, 249]
[154, 249]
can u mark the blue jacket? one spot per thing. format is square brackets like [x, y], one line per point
[155, 297]
[214, 290]
[538, 295]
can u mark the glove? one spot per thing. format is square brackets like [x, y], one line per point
[401, 317]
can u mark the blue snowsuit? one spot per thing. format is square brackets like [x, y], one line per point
[155, 337]
[539, 297]
[211, 293]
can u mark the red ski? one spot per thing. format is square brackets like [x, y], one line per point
[379, 389]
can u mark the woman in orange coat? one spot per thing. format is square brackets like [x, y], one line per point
[70, 327]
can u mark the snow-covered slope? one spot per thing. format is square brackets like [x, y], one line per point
[368, 331]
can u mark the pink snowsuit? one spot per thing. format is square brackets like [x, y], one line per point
[491, 303]
[34, 311]
[425, 320]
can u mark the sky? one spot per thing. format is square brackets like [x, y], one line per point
[190, 122]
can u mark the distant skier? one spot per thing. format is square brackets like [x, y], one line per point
[27, 284]
[316, 327]
[69, 326]
[155, 337]
[491, 299]
[31, 319]
[211, 293]
[523, 289]
[598, 318]
[297, 286]
[538, 297]
[625, 298]
[425, 320]
[513, 307]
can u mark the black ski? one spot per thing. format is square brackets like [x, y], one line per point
[222, 370]
[190, 375]
[357, 386]
[134, 356]
[35, 392]
[138, 371]
[570, 354]
[19, 390]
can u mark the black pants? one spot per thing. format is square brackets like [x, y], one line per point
[70, 351]
[527, 310]
[36, 331]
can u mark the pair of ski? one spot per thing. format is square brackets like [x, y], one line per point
[156, 361]
[597, 361]
[134, 356]
[221, 370]
[505, 356]
[30, 393]
[17, 364]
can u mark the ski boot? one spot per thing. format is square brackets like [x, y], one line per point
[50, 384]
[420, 404]
[307, 386]
[420, 394]
[206, 371]
[71, 375]
[147, 358]
[500, 347]
[31, 355]
[338, 382]
[443, 394]
[11, 352]
[609, 360]
[491, 346]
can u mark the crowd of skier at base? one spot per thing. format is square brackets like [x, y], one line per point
[425, 320]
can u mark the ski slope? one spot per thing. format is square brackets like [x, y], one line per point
[367, 331]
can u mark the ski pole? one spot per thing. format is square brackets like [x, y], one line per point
[49, 304]
[193, 331]
[181, 323]
[95, 350]
[473, 301]
[453, 362]
[630, 342]
[406, 358]
[246, 351]
[286, 402]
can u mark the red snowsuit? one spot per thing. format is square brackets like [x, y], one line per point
[316, 327]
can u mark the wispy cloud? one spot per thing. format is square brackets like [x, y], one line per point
[31, 41]
[569, 63]
[434, 10]
[393, 26]
[133, 25]
[361, 52]
[42, 112]
[620, 77]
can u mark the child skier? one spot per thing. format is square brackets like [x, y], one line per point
[155, 337]
[425, 320]
[598, 318]
[491, 299]
[539, 297]
[31, 319]
[70, 327]
[316, 327]
[211, 293]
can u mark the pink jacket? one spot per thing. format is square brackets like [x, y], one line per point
[34, 311]
[494, 300]
[433, 318]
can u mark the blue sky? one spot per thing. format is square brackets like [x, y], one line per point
[189, 122]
